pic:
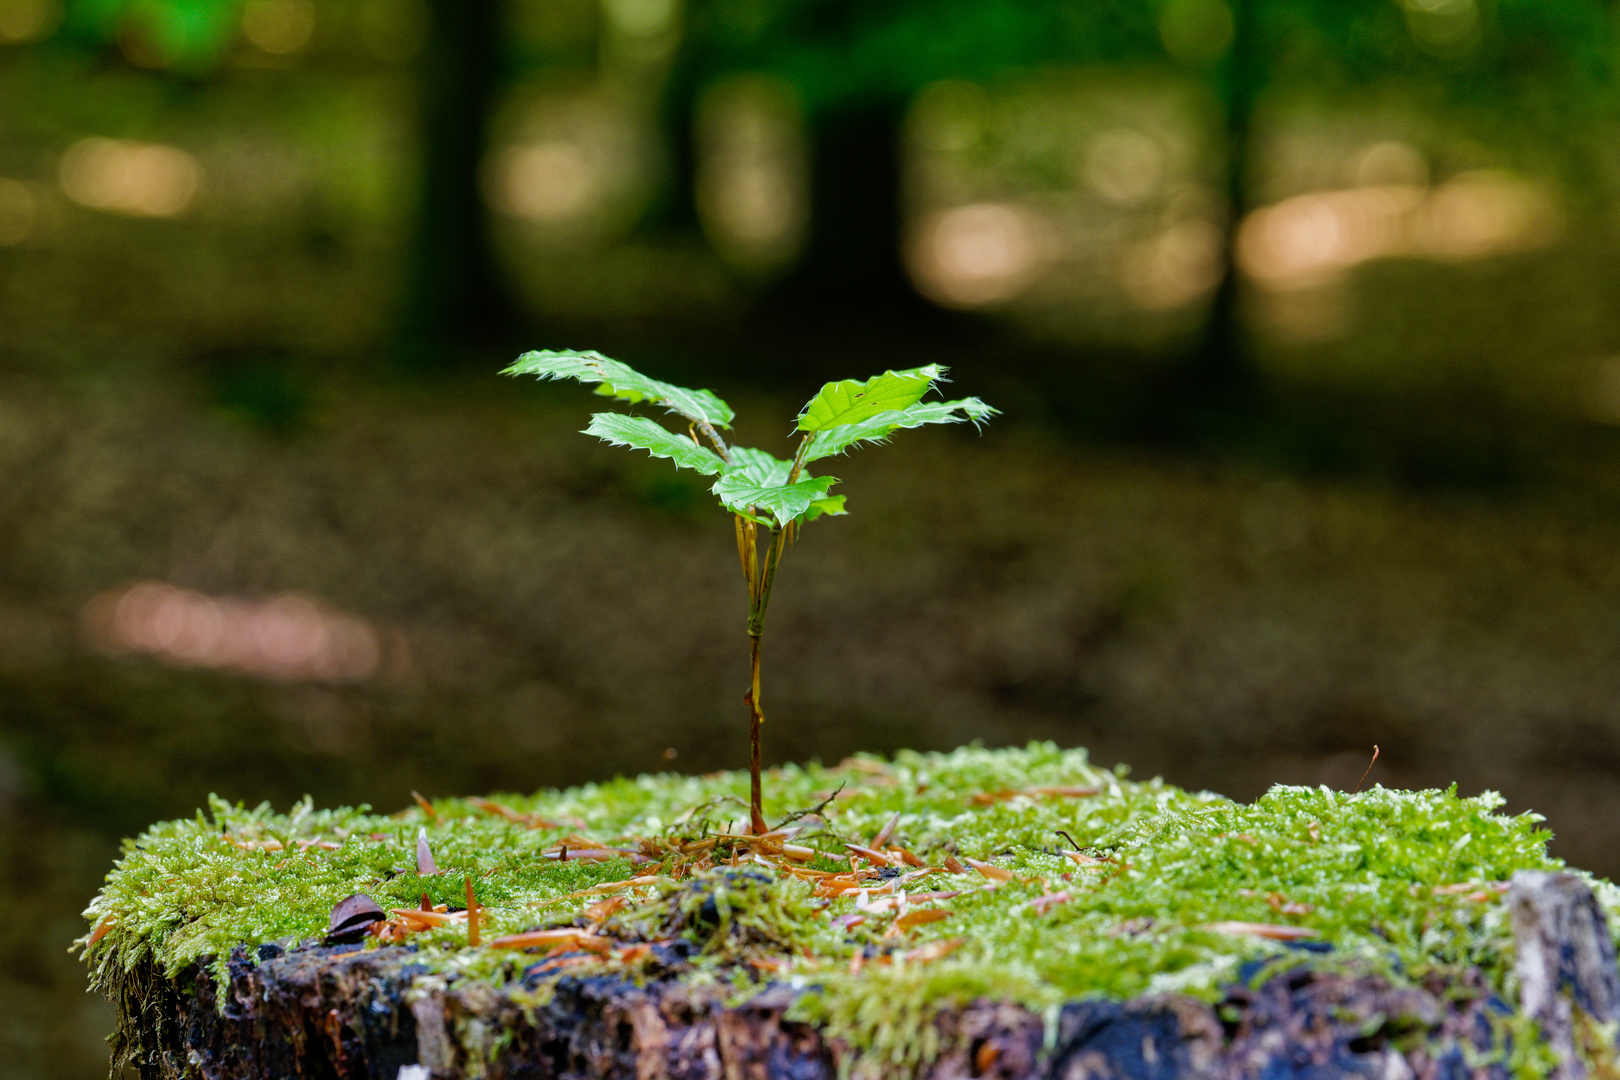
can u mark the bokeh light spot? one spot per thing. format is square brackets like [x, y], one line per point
[28, 20]
[1389, 164]
[278, 27]
[124, 177]
[1174, 268]
[286, 639]
[977, 254]
[642, 18]
[752, 172]
[1445, 28]
[1124, 166]
[1298, 241]
[544, 181]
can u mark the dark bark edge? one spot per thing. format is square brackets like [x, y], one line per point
[342, 1013]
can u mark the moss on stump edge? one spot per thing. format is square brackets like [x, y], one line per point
[998, 913]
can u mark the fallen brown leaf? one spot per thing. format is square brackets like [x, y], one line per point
[106, 924]
[425, 866]
[920, 917]
[991, 870]
[934, 950]
[1263, 930]
[554, 939]
[1047, 901]
[877, 858]
[429, 918]
[883, 834]
[352, 915]
[533, 821]
[987, 798]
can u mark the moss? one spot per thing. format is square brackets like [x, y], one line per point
[731, 913]
[1370, 874]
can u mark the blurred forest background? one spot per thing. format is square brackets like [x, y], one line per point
[1302, 314]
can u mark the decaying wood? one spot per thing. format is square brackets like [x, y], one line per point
[1565, 962]
[325, 1013]
[346, 1013]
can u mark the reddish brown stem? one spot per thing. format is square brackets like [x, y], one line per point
[1364, 775]
[756, 812]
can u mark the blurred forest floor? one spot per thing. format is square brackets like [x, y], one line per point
[552, 611]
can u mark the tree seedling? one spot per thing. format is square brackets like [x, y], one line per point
[770, 499]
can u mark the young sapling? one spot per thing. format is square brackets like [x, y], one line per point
[770, 499]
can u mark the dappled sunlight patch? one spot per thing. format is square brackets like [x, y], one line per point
[136, 179]
[284, 638]
[1307, 239]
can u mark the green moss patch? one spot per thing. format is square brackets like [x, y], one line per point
[1159, 890]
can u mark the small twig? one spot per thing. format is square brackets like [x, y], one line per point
[1069, 838]
[1364, 775]
[816, 809]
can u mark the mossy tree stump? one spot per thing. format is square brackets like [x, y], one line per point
[1059, 921]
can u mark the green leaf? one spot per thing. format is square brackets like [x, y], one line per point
[741, 494]
[831, 506]
[880, 426]
[643, 434]
[624, 382]
[851, 401]
[760, 467]
[768, 473]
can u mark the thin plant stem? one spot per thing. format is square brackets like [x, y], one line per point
[756, 719]
[761, 578]
[798, 458]
[742, 551]
[761, 595]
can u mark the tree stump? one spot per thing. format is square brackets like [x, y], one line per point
[344, 1012]
[1565, 963]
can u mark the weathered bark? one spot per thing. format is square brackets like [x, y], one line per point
[321, 1013]
[344, 1013]
[1566, 962]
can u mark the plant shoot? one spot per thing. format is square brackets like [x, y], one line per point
[770, 499]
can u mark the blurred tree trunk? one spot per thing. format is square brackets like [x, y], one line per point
[1223, 372]
[455, 294]
[852, 269]
[676, 209]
